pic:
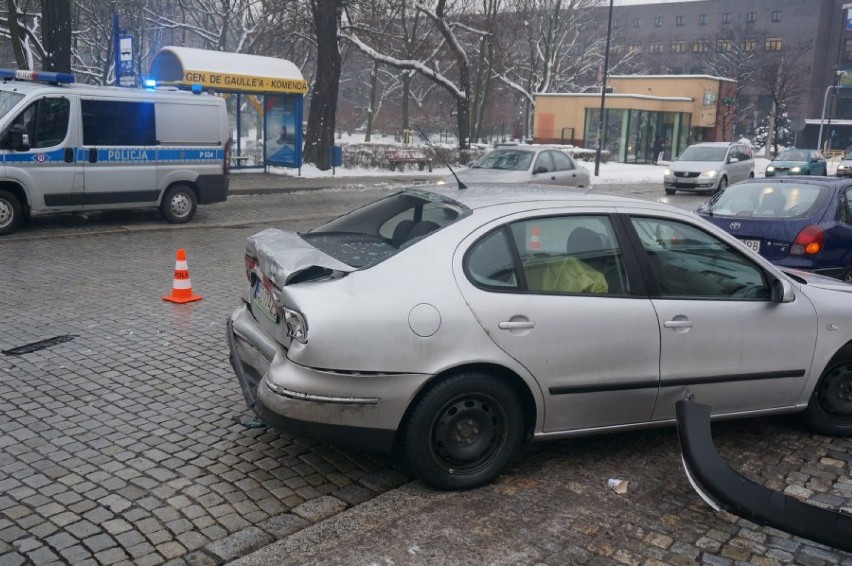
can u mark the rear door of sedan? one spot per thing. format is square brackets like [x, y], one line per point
[555, 292]
[721, 336]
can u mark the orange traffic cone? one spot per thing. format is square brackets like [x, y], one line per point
[182, 287]
[535, 240]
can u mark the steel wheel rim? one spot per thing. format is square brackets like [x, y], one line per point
[180, 205]
[468, 433]
[835, 392]
[6, 213]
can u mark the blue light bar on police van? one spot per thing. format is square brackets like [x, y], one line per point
[44, 76]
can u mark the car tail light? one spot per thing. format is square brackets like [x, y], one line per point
[297, 328]
[251, 263]
[809, 241]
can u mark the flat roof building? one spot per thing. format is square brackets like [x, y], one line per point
[645, 116]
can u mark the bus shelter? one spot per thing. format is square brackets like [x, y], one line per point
[266, 98]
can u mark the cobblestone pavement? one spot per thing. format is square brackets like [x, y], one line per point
[128, 443]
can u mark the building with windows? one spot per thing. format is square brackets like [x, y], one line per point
[644, 116]
[715, 37]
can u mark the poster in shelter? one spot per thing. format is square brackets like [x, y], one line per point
[282, 121]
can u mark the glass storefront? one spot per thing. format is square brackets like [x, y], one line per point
[638, 136]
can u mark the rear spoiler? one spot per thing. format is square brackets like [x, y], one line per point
[723, 488]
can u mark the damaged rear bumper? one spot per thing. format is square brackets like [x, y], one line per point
[723, 488]
[357, 409]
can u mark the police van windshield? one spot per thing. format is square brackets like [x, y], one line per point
[8, 100]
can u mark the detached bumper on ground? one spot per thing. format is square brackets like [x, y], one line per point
[723, 488]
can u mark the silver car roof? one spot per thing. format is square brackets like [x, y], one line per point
[484, 195]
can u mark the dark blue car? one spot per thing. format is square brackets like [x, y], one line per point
[802, 222]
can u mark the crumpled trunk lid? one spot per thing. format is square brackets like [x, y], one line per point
[283, 254]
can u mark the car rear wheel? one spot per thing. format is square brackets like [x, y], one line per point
[670, 191]
[463, 431]
[179, 204]
[10, 212]
[830, 408]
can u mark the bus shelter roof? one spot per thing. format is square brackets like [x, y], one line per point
[226, 72]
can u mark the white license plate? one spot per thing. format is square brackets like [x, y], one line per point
[263, 298]
[686, 180]
[753, 245]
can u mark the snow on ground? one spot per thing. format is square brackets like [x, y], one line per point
[610, 173]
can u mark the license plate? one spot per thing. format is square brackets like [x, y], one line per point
[263, 299]
[686, 181]
[753, 245]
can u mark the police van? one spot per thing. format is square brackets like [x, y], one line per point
[67, 147]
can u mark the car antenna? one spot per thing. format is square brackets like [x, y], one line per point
[439, 156]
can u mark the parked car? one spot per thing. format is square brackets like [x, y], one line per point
[797, 162]
[709, 167]
[526, 164]
[800, 223]
[844, 168]
[454, 325]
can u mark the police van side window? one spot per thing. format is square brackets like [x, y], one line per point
[46, 121]
[118, 122]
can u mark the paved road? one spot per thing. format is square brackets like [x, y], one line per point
[130, 443]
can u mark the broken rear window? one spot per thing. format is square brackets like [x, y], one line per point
[370, 234]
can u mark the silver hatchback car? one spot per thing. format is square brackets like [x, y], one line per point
[454, 325]
[709, 167]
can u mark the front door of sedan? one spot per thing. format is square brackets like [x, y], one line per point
[721, 336]
[554, 294]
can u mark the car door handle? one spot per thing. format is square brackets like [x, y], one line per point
[516, 325]
[678, 324]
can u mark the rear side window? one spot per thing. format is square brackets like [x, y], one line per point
[555, 255]
[118, 122]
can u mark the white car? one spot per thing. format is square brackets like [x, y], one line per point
[454, 325]
[526, 165]
[709, 167]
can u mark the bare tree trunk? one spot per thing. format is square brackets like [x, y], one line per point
[15, 32]
[56, 35]
[406, 97]
[374, 84]
[320, 135]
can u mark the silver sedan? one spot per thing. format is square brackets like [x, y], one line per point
[539, 165]
[454, 325]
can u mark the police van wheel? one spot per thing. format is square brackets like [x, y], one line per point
[10, 212]
[179, 204]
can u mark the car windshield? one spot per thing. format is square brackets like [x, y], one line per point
[698, 153]
[371, 234]
[506, 159]
[793, 155]
[8, 100]
[765, 200]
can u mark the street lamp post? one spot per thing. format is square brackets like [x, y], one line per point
[603, 93]
[837, 76]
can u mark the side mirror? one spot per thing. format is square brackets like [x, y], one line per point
[540, 169]
[782, 291]
[733, 160]
[19, 138]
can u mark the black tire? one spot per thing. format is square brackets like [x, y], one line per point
[751, 175]
[179, 204]
[723, 184]
[671, 191]
[10, 212]
[463, 431]
[847, 274]
[830, 408]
